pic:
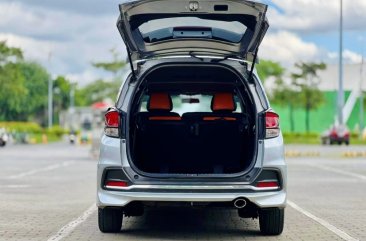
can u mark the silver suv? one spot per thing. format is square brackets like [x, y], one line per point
[192, 125]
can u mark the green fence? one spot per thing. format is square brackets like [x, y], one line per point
[321, 118]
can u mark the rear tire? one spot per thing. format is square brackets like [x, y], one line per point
[271, 221]
[110, 219]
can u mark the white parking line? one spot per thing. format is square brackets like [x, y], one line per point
[322, 222]
[44, 169]
[14, 186]
[68, 228]
[336, 170]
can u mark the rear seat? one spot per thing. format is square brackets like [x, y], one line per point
[159, 108]
[220, 133]
[158, 130]
[205, 140]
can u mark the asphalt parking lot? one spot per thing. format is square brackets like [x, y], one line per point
[48, 193]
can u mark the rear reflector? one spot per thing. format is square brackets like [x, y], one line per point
[272, 124]
[112, 184]
[266, 184]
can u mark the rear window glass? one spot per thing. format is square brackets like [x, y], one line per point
[191, 27]
[191, 103]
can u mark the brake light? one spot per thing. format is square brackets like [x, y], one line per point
[267, 184]
[115, 184]
[272, 124]
[112, 123]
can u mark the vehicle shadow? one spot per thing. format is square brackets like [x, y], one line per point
[188, 224]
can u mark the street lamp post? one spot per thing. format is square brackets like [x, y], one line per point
[71, 111]
[340, 83]
[361, 99]
[72, 97]
[50, 96]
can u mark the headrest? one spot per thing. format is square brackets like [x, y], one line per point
[160, 102]
[223, 102]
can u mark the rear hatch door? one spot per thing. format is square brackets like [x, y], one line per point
[153, 28]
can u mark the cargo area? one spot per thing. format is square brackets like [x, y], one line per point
[190, 121]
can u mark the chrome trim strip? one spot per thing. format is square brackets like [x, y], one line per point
[193, 187]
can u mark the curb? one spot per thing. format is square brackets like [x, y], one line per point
[354, 154]
[302, 154]
[346, 154]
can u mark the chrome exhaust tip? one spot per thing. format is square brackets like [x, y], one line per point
[240, 203]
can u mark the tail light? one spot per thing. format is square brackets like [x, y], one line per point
[112, 123]
[268, 184]
[115, 184]
[272, 124]
[268, 179]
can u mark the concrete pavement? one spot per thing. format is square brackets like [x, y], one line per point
[48, 192]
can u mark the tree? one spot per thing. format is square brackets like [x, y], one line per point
[267, 68]
[12, 90]
[102, 89]
[61, 95]
[307, 81]
[95, 92]
[36, 83]
[7, 53]
[284, 94]
[115, 66]
[23, 86]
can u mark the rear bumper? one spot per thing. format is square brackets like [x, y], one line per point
[121, 198]
[113, 154]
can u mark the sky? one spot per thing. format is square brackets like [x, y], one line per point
[66, 36]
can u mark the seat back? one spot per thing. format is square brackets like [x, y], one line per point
[158, 129]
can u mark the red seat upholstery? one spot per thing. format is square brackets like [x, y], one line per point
[223, 102]
[222, 106]
[160, 106]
